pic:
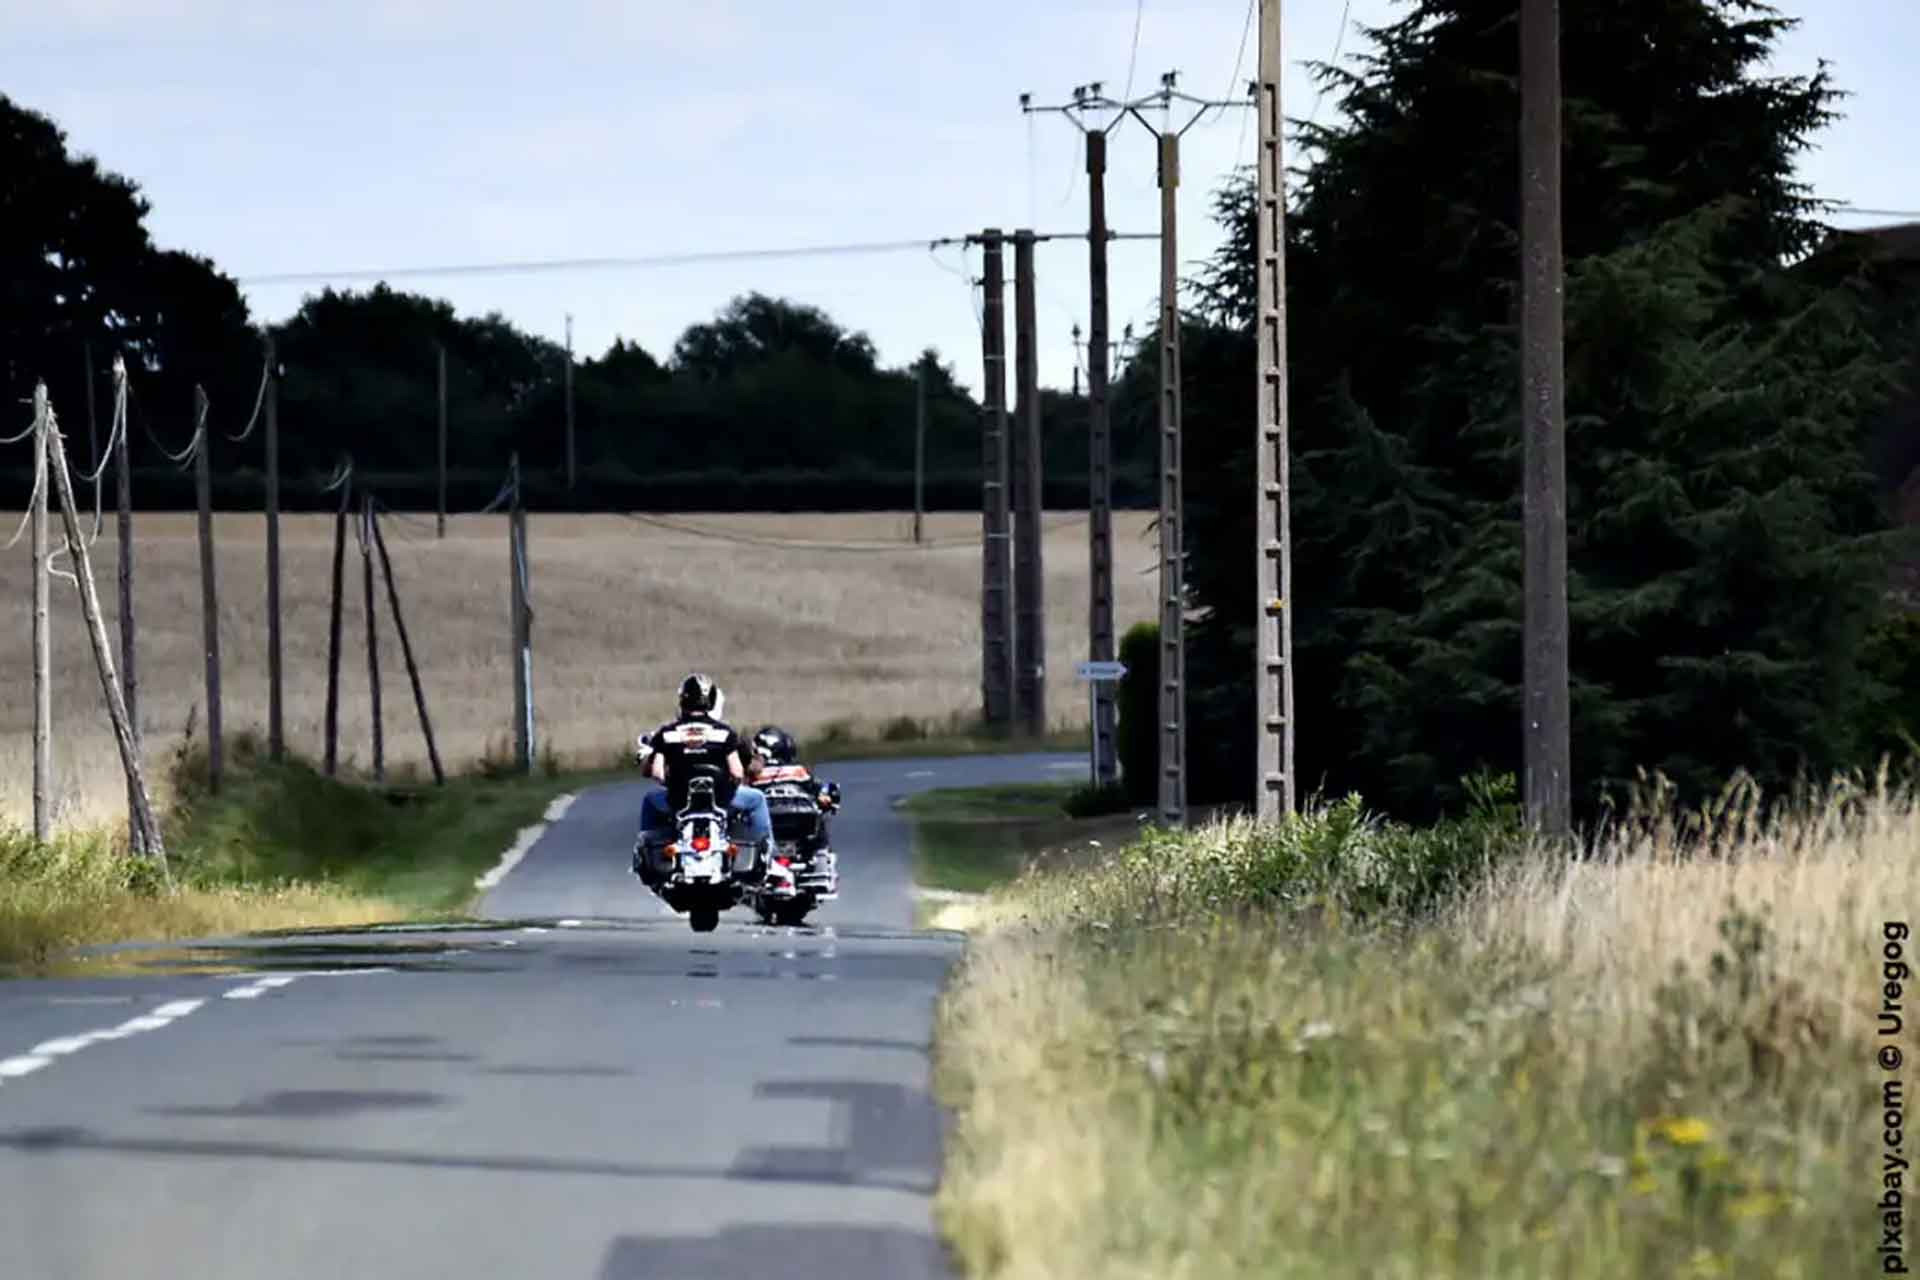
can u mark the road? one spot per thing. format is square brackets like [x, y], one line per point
[579, 1086]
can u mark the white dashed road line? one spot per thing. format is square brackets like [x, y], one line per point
[49, 1051]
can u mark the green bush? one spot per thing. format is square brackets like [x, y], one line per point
[1137, 738]
[1093, 801]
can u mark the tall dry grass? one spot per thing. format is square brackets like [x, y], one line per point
[1658, 1060]
[862, 628]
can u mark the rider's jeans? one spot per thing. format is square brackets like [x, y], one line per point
[749, 804]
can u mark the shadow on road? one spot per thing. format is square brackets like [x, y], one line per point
[789, 1251]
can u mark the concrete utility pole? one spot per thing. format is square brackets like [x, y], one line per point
[920, 451]
[1030, 648]
[276, 727]
[129, 686]
[1547, 714]
[440, 350]
[996, 610]
[1173, 590]
[42, 635]
[1274, 793]
[1100, 630]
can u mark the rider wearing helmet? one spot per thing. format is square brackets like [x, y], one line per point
[776, 758]
[694, 744]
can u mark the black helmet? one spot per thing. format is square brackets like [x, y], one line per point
[698, 693]
[776, 744]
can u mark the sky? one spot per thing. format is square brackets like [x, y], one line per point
[300, 136]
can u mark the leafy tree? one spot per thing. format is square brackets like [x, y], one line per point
[1722, 525]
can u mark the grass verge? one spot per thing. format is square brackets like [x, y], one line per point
[280, 846]
[973, 839]
[1343, 1048]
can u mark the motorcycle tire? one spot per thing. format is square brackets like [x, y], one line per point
[703, 919]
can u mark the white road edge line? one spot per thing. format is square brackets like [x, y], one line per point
[48, 1051]
[525, 841]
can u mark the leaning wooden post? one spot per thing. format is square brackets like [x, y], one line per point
[209, 593]
[143, 817]
[373, 636]
[406, 651]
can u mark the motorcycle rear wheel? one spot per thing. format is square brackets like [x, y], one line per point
[703, 919]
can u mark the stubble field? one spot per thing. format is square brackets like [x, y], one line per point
[807, 620]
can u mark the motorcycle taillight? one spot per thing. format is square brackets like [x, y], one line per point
[701, 844]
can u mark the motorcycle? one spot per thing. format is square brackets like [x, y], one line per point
[804, 871]
[694, 869]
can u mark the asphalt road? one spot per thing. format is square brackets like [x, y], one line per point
[580, 1087]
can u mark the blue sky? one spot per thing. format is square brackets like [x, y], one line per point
[290, 137]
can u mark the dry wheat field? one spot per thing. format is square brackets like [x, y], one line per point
[804, 620]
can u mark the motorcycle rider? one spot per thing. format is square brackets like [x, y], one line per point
[698, 742]
[776, 758]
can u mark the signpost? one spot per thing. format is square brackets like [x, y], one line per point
[1097, 674]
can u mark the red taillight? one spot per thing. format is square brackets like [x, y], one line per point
[701, 844]
[784, 860]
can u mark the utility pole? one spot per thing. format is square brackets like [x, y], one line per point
[570, 453]
[148, 839]
[920, 452]
[1274, 793]
[1547, 711]
[42, 636]
[1030, 648]
[129, 686]
[1173, 595]
[440, 350]
[522, 658]
[996, 613]
[276, 726]
[1100, 636]
[373, 637]
[209, 593]
[333, 622]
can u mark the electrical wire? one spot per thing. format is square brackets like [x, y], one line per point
[1133, 58]
[1339, 41]
[577, 264]
[1233, 84]
[778, 544]
[260, 398]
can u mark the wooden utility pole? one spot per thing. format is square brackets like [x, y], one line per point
[1546, 716]
[996, 606]
[209, 593]
[1274, 793]
[440, 349]
[920, 451]
[1173, 595]
[333, 623]
[123, 484]
[406, 651]
[522, 655]
[1030, 650]
[147, 829]
[276, 724]
[1100, 638]
[373, 637]
[42, 636]
[570, 452]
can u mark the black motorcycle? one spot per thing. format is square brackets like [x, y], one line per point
[803, 872]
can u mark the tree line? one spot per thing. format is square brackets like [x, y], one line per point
[769, 405]
[1738, 422]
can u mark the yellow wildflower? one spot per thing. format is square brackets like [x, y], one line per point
[1684, 1131]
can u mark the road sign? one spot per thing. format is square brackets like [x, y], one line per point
[1098, 671]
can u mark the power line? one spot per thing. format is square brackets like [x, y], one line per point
[660, 260]
[1133, 58]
